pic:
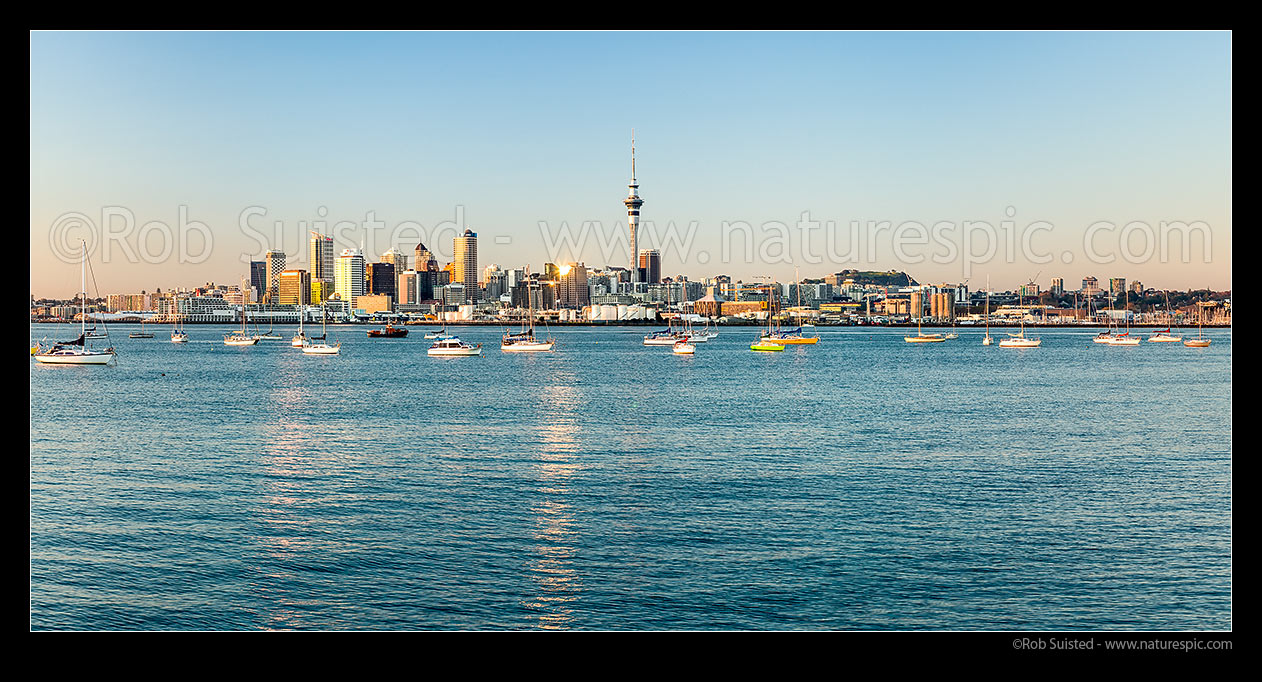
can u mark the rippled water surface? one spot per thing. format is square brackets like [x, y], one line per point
[862, 483]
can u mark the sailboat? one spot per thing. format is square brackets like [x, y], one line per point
[668, 336]
[1200, 341]
[703, 335]
[241, 338]
[1104, 336]
[795, 336]
[986, 340]
[765, 343]
[177, 329]
[270, 335]
[685, 346]
[441, 333]
[76, 352]
[300, 339]
[1164, 335]
[1019, 340]
[920, 336]
[1126, 339]
[321, 348]
[142, 334]
[525, 341]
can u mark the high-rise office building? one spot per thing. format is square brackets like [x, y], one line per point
[348, 275]
[381, 278]
[427, 270]
[1058, 287]
[258, 276]
[1117, 286]
[396, 258]
[572, 289]
[320, 257]
[1090, 286]
[532, 291]
[295, 288]
[423, 257]
[275, 264]
[465, 263]
[650, 266]
[406, 288]
[321, 289]
[515, 275]
[494, 283]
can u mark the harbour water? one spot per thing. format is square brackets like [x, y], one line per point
[861, 483]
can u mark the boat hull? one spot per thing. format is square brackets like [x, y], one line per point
[924, 339]
[1196, 343]
[761, 346]
[453, 352]
[76, 359]
[322, 350]
[527, 347]
[792, 340]
[1020, 343]
[684, 349]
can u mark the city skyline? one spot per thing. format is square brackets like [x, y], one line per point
[757, 128]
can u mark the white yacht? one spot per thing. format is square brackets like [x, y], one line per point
[453, 347]
[76, 352]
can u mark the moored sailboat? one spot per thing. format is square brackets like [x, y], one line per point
[1124, 339]
[241, 338]
[1019, 339]
[177, 328]
[1200, 341]
[75, 352]
[1164, 335]
[987, 340]
[525, 340]
[322, 348]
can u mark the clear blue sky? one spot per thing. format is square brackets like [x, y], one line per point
[519, 128]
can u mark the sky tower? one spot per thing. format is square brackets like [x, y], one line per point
[633, 202]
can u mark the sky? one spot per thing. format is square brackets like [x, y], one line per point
[956, 156]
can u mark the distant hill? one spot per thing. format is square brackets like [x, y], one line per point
[892, 278]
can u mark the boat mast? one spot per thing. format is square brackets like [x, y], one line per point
[83, 291]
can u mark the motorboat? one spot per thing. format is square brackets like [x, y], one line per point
[453, 347]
